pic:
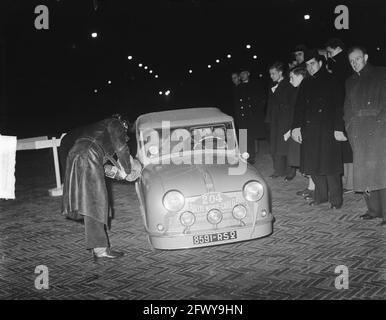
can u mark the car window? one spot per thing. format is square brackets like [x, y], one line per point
[214, 137]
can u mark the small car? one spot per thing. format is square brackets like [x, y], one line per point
[196, 188]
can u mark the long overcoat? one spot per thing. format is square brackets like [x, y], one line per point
[250, 109]
[365, 119]
[280, 110]
[319, 112]
[84, 190]
[341, 71]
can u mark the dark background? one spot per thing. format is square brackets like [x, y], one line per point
[48, 77]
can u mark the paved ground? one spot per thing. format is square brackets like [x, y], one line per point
[296, 262]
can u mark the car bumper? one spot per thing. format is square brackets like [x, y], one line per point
[261, 229]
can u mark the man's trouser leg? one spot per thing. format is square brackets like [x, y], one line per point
[251, 147]
[321, 188]
[334, 183]
[96, 235]
[348, 176]
[382, 198]
[279, 165]
[373, 203]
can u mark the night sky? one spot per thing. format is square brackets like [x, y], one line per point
[48, 77]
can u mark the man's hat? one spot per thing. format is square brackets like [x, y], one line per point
[311, 54]
[244, 68]
[334, 43]
[300, 47]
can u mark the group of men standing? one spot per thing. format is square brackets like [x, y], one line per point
[338, 118]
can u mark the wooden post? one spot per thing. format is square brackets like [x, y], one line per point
[58, 191]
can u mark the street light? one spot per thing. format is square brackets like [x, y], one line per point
[190, 70]
[248, 46]
[95, 91]
[156, 76]
[140, 65]
[217, 61]
[150, 71]
[145, 67]
[209, 66]
[307, 17]
[167, 92]
[94, 34]
[160, 93]
[229, 56]
[255, 57]
[130, 57]
[109, 82]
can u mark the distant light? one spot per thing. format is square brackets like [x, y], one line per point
[248, 46]
[94, 34]
[109, 82]
[160, 93]
[145, 67]
[378, 49]
[229, 56]
[95, 91]
[167, 92]
[209, 66]
[130, 57]
[150, 71]
[156, 76]
[260, 75]
[140, 65]
[307, 17]
[190, 70]
[217, 61]
[255, 57]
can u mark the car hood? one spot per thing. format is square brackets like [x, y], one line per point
[197, 179]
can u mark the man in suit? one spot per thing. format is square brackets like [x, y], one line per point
[340, 68]
[249, 111]
[318, 126]
[365, 119]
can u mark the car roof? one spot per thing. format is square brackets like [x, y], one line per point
[182, 117]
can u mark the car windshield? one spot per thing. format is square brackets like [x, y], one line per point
[159, 142]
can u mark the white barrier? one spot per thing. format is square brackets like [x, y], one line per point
[44, 143]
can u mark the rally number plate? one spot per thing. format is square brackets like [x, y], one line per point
[213, 237]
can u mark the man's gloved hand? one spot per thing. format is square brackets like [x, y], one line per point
[339, 136]
[114, 173]
[297, 135]
[133, 175]
[135, 165]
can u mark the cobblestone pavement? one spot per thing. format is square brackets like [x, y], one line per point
[297, 261]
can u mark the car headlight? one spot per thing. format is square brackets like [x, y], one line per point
[173, 201]
[214, 216]
[239, 212]
[187, 218]
[253, 191]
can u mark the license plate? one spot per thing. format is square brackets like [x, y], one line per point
[213, 237]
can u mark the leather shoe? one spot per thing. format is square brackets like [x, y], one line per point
[316, 203]
[304, 192]
[367, 216]
[336, 206]
[309, 197]
[107, 254]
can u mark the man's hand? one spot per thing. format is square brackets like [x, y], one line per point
[339, 136]
[133, 175]
[297, 135]
[287, 135]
